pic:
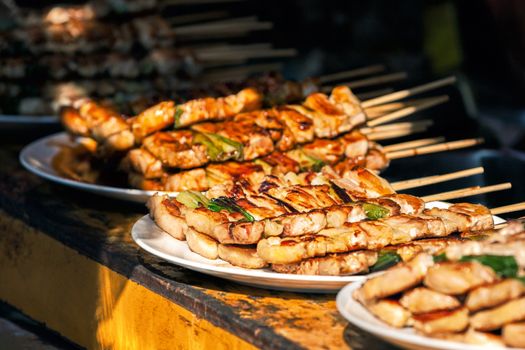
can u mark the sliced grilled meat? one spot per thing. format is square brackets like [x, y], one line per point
[514, 334]
[395, 280]
[242, 256]
[449, 321]
[456, 278]
[168, 215]
[391, 312]
[511, 311]
[422, 300]
[494, 294]
[332, 265]
[202, 244]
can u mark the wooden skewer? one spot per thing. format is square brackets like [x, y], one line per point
[259, 53]
[392, 134]
[196, 17]
[374, 93]
[380, 79]
[194, 2]
[216, 28]
[408, 92]
[397, 126]
[413, 144]
[503, 224]
[508, 208]
[440, 147]
[467, 192]
[429, 180]
[376, 68]
[408, 111]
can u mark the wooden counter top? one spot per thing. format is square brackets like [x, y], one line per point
[67, 260]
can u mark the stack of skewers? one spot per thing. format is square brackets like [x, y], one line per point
[53, 57]
[222, 139]
[287, 187]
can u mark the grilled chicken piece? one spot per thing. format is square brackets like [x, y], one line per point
[194, 179]
[256, 141]
[168, 215]
[514, 334]
[167, 113]
[332, 265]
[153, 119]
[304, 198]
[432, 246]
[207, 109]
[494, 294]
[242, 256]
[176, 149]
[202, 244]
[301, 127]
[511, 311]
[395, 280]
[449, 321]
[102, 121]
[362, 183]
[391, 312]
[288, 250]
[225, 227]
[422, 300]
[464, 217]
[143, 162]
[73, 121]
[458, 277]
[473, 337]
[333, 115]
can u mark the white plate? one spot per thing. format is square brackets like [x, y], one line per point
[26, 121]
[157, 242]
[37, 157]
[407, 338]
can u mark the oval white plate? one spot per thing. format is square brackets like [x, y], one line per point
[26, 121]
[407, 338]
[37, 157]
[157, 242]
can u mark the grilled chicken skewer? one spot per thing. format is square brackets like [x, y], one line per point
[343, 154]
[459, 295]
[377, 234]
[325, 116]
[301, 209]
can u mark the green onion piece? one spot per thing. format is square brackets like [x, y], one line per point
[228, 147]
[176, 117]
[505, 266]
[229, 204]
[267, 168]
[374, 211]
[306, 162]
[385, 260]
[214, 152]
[192, 199]
[440, 258]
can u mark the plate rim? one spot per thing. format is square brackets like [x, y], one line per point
[345, 302]
[56, 178]
[28, 119]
